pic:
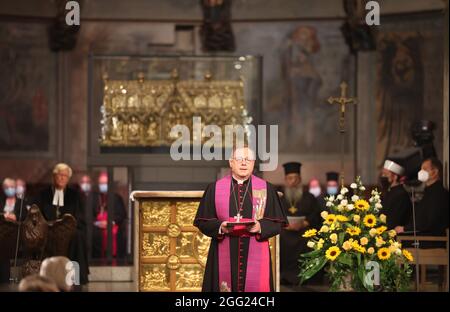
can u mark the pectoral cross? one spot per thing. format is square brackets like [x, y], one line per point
[238, 217]
[343, 100]
[293, 209]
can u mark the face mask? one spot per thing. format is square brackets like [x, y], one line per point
[332, 190]
[384, 182]
[103, 188]
[85, 187]
[10, 192]
[423, 176]
[20, 190]
[315, 191]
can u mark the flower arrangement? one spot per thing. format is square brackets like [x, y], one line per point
[355, 247]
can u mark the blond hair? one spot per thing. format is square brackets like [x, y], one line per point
[8, 181]
[62, 166]
[54, 268]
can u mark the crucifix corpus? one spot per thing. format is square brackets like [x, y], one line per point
[342, 101]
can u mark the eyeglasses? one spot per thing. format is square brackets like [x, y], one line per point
[243, 159]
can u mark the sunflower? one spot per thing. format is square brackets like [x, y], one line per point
[408, 255]
[362, 205]
[310, 233]
[341, 218]
[381, 229]
[353, 231]
[370, 220]
[332, 253]
[383, 253]
[330, 219]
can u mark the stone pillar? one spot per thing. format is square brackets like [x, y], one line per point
[366, 118]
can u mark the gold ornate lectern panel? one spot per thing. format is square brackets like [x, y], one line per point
[171, 252]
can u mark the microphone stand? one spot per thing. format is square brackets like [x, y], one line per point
[416, 242]
[414, 187]
[15, 278]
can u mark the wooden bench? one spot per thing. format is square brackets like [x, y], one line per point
[429, 256]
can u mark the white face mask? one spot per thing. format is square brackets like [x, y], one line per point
[423, 176]
[20, 190]
[315, 191]
[86, 187]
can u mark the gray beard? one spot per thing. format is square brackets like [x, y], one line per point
[293, 194]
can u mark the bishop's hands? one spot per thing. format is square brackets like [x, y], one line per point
[224, 229]
[255, 228]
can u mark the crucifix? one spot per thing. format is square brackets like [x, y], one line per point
[342, 101]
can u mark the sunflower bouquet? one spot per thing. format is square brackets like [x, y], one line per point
[355, 247]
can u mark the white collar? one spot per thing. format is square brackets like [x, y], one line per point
[58, 198]
[240, 181]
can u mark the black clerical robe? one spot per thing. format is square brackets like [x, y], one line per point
[72, 205]
[396, 206]
[292, 244]
[208, 223]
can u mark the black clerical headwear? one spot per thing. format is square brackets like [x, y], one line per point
[292, 167]
[332, 176]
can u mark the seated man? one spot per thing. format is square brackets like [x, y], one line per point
[432, 210]
[396, 202]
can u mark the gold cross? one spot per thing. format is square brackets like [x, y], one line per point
[293, 209]
[343, 100]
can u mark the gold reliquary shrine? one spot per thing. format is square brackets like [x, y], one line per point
[171, 253]
[141, 113]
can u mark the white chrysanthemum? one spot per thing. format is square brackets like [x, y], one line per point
[355, 198]
[340, 197]
[324, 214]
[331, 198]
[350, 207]
[353, 185]
[344, 190]
[311, 244]
[329, 204]
[344, 202]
